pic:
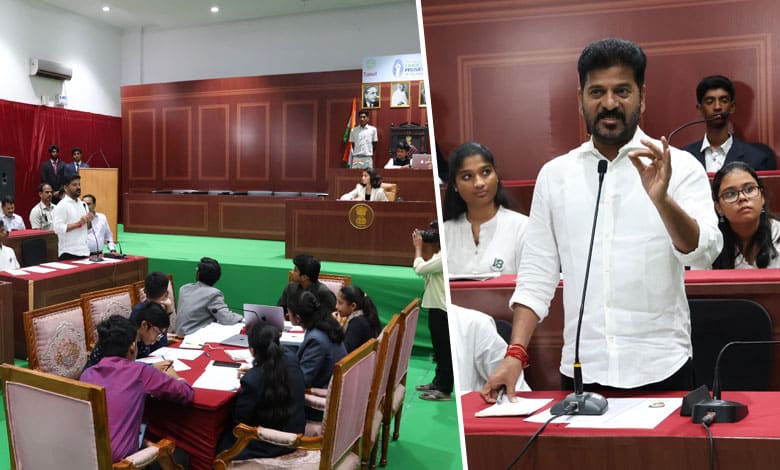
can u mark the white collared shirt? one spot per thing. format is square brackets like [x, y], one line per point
[41, 216]
[8, 258]
[15, 222]
[100, 234]
[433, 295]
[715, 157]
[636, 323]
[363, 139]
[69, 211]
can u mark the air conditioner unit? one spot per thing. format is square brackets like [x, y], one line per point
[51, 69]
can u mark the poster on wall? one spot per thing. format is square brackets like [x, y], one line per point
[423, 100]
[399, 97]
[393, 68]
[371, 95]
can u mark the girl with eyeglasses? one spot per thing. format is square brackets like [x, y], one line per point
[751, 235]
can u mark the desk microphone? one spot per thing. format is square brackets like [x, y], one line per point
[725, 411]
[579, 402]
[716, 117]
[119, 255]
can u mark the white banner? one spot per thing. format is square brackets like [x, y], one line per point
[393, 68]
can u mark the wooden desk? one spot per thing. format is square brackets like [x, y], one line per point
[40, 290]
[675, 444]
[413, 185]
[492, 297]
[6, 322]
[15, 239]
[322, 228]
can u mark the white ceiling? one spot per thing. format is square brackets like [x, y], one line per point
[172, 14]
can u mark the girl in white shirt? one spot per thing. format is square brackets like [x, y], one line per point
[751, 235]
[369, 188]
[481, 234]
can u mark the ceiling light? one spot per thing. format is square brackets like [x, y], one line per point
[215, 9]
[106, 8]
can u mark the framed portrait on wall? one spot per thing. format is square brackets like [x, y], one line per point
[371, 95]
[423, 98]
[399, 94]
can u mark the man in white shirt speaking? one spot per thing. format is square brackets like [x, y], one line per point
[656, 217]
[71, 217]
[99, 233]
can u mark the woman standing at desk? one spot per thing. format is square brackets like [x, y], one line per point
[482, 235]
[271, 394]
[369, 188]
[751, 235]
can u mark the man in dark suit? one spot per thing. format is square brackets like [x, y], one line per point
[53, 172]
[76, 164]
[715, 95]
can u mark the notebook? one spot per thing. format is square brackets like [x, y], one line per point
[252, 314]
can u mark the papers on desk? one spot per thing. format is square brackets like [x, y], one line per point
[522, 407]
[473, 276]
[622, 413]
[212, 333]
[57, 265]
[175, 353]
[240, 355]
[38, 269]
[177, 365]
[218, 378]
[17, 272]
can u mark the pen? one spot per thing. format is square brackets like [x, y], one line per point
[169, 365]
[501, 393]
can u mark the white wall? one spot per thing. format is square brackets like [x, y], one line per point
[29, 28]
[336, 40]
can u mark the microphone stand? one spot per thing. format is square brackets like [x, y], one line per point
[689, 124]
[581, 402]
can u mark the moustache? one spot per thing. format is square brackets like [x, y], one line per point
[611, 114]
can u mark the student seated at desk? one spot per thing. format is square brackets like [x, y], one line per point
[369, 188]
[200, 303]
[359, 315]
[151, 324]
[271, 394]
[751, 234]
[7, 254]
[127, 384]
[403, 156]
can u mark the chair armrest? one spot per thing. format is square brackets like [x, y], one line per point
[160, 451]
[245, 433]
[319, 392]
[315, 402]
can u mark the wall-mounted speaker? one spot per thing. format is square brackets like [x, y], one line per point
[7, 168]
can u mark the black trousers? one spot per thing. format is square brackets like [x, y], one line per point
[440, 338]
[680, 380]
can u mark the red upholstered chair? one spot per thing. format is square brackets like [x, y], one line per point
[388, 342]
[99, 305]
[338, 446]
[56, 339]
[54, 422]
[396, 386]
[334, 282]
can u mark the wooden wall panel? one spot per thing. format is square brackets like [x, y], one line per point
[213, 143]
[254, 143]
[515, 89]
[299, 141]
[176, 143]
[141, 157]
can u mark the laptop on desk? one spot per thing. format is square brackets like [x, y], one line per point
[421, 161]
[254, 313]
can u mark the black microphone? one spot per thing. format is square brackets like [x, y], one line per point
[716, 117]
[725, 411]
[119, 255]
[95, 258]
[580, 402]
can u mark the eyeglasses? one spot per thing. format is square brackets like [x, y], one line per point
[731, 195]
[161, 333]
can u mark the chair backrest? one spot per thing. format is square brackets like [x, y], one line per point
[99, 305]
[347, 402]
[334, 282]
[716, 322]
[388, 341]
[56, 339]
[33, 251]
[391, 191]
[408, 328]
[54, 422]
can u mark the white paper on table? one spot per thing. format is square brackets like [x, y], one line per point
[110, 260]
[242, 355]
[175, 353]
[218, 378]
[38, 269]
[291, 337]
[622, 413]
[473, 276]
[82, 261]
[522, 407]
[212, 333]
[57, 265]
[177, 365]
[17, 272]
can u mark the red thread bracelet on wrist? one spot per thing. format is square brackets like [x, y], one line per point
[518, 351]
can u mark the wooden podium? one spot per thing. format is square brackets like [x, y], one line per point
[103, 183]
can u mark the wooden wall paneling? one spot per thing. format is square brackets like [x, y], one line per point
[213, 153]
[251, 217]
[413, 185]
[300, 156]
[177, 144]
[141, 145]
[186, 215]
[253, 155]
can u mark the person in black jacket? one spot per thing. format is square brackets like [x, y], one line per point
[359, 316]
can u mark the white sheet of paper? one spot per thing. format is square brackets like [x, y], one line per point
[218, 378]
[17, 272]
[110, 260]
[82, 261]
[39, 270]
[291, 337]
[473, 276]
[522, 407]
[177, 365]
[242, 355]
[622, 413]
[212, 333]
[57, 265]
[175, 353]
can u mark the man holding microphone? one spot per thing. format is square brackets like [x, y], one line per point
[71, 217]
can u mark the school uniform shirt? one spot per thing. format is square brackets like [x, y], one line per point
[498, 251]
[741, 263]
[8, 258]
